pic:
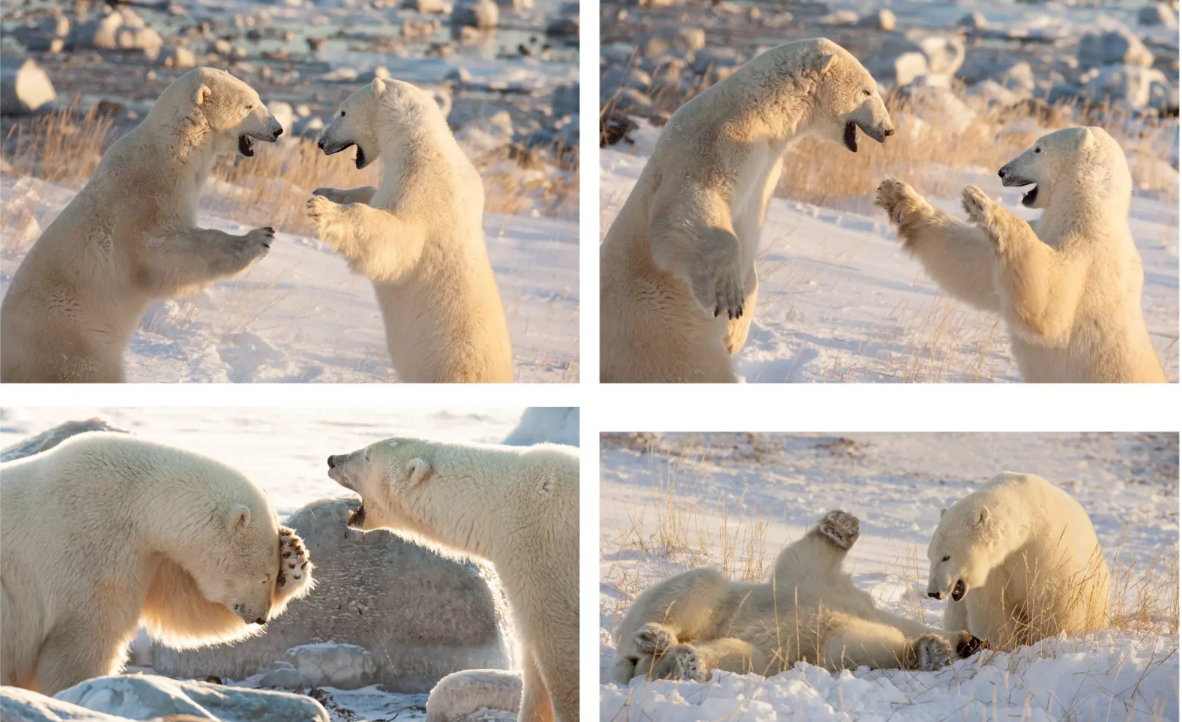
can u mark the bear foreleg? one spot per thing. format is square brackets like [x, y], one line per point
[362, 195]
[181, 260]
[378, 244]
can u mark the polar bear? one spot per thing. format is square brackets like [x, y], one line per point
[418, 236]
[1018, 561]
[808, 610]
[677, 269]
[106, 532]
[518, 508]
[130, 236]
[1068, 285]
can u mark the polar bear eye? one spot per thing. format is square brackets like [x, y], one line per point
[866, 93]
[342, 114]
[1038, 150]
[945, 559]
[249, 108]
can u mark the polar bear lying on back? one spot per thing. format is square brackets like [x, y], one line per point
[677, 278]
[515, 507]
[809, 610]
[418, 236]
[1018, 561]
[130, 236]
[1068, 285]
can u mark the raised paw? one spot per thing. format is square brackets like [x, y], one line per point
[931, 651]
[978, 206]
[654, 639]
[295, 568]
[840, 528]
[719, 289]
[321, 211]
[684, 664]
[967, 645]
[898, 199]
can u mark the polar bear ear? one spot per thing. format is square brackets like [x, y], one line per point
[982, 516]
[417, 469]
[239, 517]
[824, 62]
[202, 95]
[943, 512]
[379, 87]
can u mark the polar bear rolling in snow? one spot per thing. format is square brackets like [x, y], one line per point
[106, 532]
[516, 507]
[1018, 561]
[1068, 285]
[130, 236]
[418, 236]
[809, 610]
[677, 282]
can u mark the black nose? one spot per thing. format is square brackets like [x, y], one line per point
[278, 133]
[934, 595]
[889, 132]
[261, 620]
[1001, 173]
[332, 464]
[320, 144]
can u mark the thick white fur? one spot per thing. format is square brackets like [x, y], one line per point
[418, 236]
[809, 609]
[677, 269]
[130, 236]
[1068, 285]
[106, 532]
[1029, 559]
[516, 507]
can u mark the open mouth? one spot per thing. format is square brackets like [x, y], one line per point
[360, 160]
[958, 591]
[850, 137]
[1030, 196]
[357, 518]
[246, 145]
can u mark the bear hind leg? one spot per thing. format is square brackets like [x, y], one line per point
[73, 653]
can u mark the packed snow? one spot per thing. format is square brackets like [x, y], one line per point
[669, 502]
[301, 315]
[840, 300]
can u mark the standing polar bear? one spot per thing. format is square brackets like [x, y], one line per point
[418, 236]
[1068, 285]
[809, 610]
[516, 507]
[106, 532]
[1018, 561]
[130, 236]
[677, 268]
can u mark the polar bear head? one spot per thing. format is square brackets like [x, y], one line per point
[384, 112]
[211, 106]
[845, 97]
[1070, 163]
[389, 475]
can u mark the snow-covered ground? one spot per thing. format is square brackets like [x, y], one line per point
[300, 314]
[674, 501]
[839, 299]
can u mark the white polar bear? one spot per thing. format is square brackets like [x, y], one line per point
[1068, 285]
[808, 610]
[130, 236]
[418, 236]
[1019, 562]
[515, 507]
[106, 532]
[677, 268]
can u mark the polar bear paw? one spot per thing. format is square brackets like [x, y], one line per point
[718, 289]
[898, 199]
[931, 652]
[979, 207]
[684, 664]
[295, 568]
[322, 212]
[251, 247]
[840, 528]
[654, 639]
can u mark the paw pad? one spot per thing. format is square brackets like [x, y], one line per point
[840, 528]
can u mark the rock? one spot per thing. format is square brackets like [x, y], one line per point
[25, 89]
[426, 6]
[945, 53]
[458, 75]
[546, 424]
[973, 20]
[628, 76]
[146, 40]
[681, 40]
[99, 33]
[46, 440]
[1127, 85]
[564, 101]
[564, 27]
[613, 128]
[1158, 14]
[630, 100]
[516, 5]
[284, 114]
[22, 705]
[720, 57]
[840, 17]
[177, 57]
[344, 666]
[55, 25]
[939, 106]
[480, 14]
[459, 696]
[419, 615]
[43, 44]
[900, 70]
[149, 696]
[881, 19]
[1118, 46]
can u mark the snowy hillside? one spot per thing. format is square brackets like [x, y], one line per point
[839, 300]
[672, 502]
[301, 315]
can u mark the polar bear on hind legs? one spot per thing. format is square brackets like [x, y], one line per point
[1018, 561]
[130, 236]
[418, 236]
[809, 610]
[678, 285]
[106, 532]
[1068, 285]
[518, 508]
